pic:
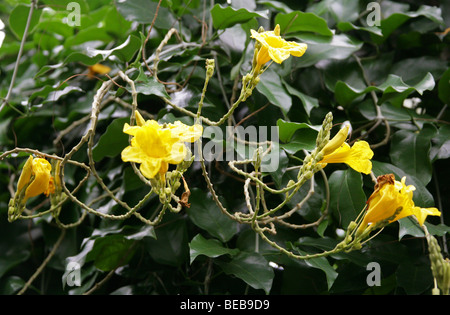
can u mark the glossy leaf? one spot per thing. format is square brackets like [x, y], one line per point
[18, 20]
[298, 21]
[110, 252]
[208, 247]
[252, 268]
[206, 215]
[410, 152]
[348, 198]
[224, 17]
[113, 141]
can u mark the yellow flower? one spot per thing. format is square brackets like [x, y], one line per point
[98, 69]
[155, 146]
[391, 201]
[274, 47]
[357, 157]
[35, 178]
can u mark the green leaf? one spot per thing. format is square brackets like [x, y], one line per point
[441, 144]
[393, 21]
[124, 51]
[408, 226]
[298, 136]
[110, 252]
[18, 20]
[61, 5]
[338, 46]
[143, 12]
[393, 87]
[347, 26]
[308, 102]
[272, 88]
[11, 259]
[225, 17]
[298, 21]
[208, 247]
[148, 86]
[205, 214]
[88, 34]
[171, 244]
[347, 198]
[410, 152]
[81, 58]
[11, 285]
[252, 268]
[415, 279]
[112, 142]
[287, 129]
[321, 263]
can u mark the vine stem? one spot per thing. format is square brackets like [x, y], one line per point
[19, 55]
[44, 263]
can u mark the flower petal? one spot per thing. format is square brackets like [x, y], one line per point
[422, 213]
[150, 167]
[133, 154]
[26, 174]
[41, 169]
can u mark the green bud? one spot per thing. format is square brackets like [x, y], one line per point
[356, 246]
[290, 183]
[352, 225]
[210, 67]
[435, 291]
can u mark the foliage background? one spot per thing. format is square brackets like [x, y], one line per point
[200, 251]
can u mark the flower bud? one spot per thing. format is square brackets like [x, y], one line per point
[337, 141]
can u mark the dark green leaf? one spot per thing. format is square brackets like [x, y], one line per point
[18, 20]
[251, 268]
[338, 46]
[347, 196]
[171, 244]
[393, 87]
[288, 129]
[298, 21]
[271, 87]
[124, 51]
[224, 17]
[206, 215]
[410, 152]
[394, 20]
[112, 142]
[110, 252]
[321, 263]
[415, 279]
[208, 247]
[149, 85]
[143, 12]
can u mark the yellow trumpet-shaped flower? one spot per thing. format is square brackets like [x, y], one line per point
[34, 180]
[357, 157]
[97, 69]
[155, 146]
[391, 201]
[35, 177]
[274, 47]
